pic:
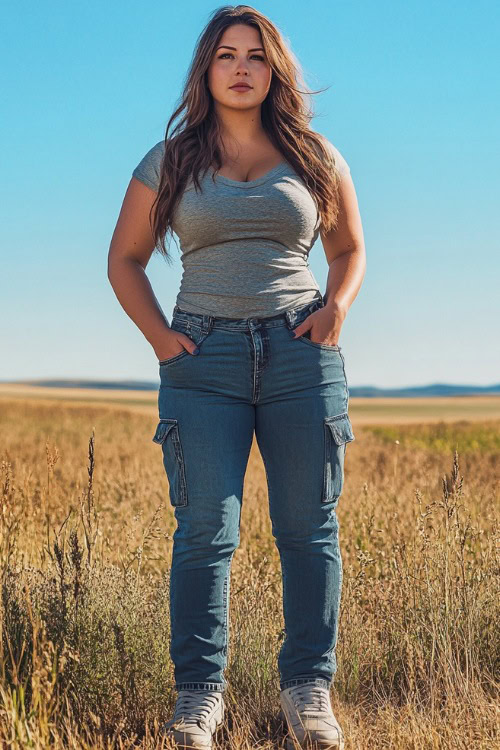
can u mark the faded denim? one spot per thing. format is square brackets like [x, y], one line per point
[252, 376]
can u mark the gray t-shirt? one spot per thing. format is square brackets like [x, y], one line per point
[245, 245]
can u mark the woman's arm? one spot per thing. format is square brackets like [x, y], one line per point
[345, 253]
[131, 248]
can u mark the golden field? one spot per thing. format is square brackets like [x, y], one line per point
[85, 544]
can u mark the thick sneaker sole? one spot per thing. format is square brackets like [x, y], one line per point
[180, 737]
[315, 745]
[180, 743]
[292, 744]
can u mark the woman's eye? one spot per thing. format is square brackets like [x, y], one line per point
[259, 57]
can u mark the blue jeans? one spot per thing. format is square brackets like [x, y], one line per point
[251, 376]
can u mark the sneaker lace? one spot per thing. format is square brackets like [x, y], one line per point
[196, 705]
[310, 698]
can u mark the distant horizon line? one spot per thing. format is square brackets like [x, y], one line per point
[431, 389]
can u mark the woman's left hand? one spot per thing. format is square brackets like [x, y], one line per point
[324, 326]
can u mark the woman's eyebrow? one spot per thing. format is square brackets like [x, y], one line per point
[255, 49]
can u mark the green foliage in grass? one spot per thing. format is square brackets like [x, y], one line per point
[443, 437]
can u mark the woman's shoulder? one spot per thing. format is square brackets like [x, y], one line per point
[337, 158]
[149, 168]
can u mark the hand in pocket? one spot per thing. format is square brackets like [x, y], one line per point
[174, 343]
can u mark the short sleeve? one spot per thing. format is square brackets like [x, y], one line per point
[339, 160]
[148, 169]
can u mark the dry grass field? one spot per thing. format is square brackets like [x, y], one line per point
[85, 543]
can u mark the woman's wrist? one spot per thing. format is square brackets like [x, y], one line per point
[337, 308]
[158, 342]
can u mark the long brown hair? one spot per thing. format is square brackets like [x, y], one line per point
[193, 144]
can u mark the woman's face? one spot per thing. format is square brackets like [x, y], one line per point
[246, 62]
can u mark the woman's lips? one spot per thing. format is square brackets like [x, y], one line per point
[240, 88]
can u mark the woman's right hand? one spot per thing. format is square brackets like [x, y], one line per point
[172, 344]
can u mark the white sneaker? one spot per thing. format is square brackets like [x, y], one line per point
[310, 719]
[197, 715]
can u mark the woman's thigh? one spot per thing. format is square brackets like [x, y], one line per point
[206, 436]
[303, 427]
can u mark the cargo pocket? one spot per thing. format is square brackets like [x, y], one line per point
[167, 435]
[338, 432]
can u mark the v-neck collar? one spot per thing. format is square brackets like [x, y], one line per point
[251, 183]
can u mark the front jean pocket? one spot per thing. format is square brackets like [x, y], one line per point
[192, 331]
[306, 339]
[338, 432]
[167, 435]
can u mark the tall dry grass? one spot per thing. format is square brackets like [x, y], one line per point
[85, 543]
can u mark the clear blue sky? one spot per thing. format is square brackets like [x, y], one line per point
[87, 89]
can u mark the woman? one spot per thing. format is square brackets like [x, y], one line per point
[253, 347]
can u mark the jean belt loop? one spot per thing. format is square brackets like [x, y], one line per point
[316, 305]
[290, 318]
[207, 323]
